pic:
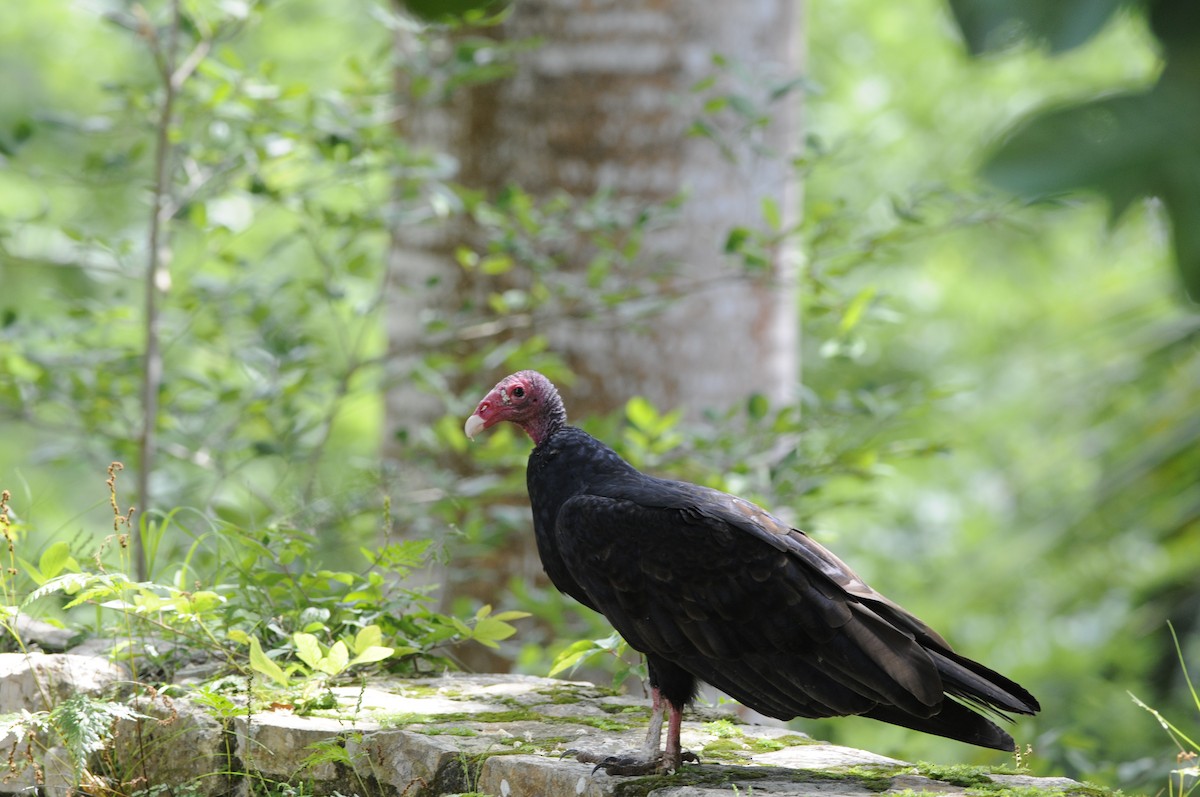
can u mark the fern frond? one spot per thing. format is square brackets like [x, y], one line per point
[85, 726]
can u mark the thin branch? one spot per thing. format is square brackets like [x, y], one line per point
[152, 367]
[185, 70]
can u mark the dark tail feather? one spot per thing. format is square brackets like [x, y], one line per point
[973, 683]
[978, 688]
[954, 721]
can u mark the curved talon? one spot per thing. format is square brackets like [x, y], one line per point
[629, 764]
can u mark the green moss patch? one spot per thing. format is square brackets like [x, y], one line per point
[724, 750]
[571, 693]
[769, 744]
[456, 730]
[599, 723]
[620, 708]
[725, 775]
[963, 775]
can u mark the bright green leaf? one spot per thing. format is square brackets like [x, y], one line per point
[757, 406]
[261, 663]
[371, 654]
[641, 413]
[571, 655]
[771, 214]
[54, 559]
[510, 615]
[336, 660]
[490, 630]
[854, 311]
[205, 601]
[31, 570]
[308, 649]
[367, 637]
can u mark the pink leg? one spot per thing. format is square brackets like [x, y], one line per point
[673, 759]
[650, 760]
[653, 741]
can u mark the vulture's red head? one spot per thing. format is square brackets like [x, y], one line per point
[525, 398]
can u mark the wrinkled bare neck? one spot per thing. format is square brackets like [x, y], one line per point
[551, 417]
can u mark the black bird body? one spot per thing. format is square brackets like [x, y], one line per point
[711, 587]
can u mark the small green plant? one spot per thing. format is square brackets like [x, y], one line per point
[317, 659]
[592, 651]
[257, 606]
[1182, 780]
[80, 724]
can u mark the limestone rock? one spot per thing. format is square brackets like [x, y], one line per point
[39, 681]
[533, 776]
[823, 756]
[282, 746]
[179, 744]
[42, 634]
[406, 762]
[500, 735]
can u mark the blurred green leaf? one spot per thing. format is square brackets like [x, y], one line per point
[448, 11]
[990, 25]
[376, 653]
[308, 649]
[261, 663]
[855, 309]
[736, 240]
[771, 214]
[757, 406]
[1124, 147]
[641, 413]
[336, 660]
[55, 558]
[571, 655]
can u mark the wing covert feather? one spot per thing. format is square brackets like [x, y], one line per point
[716, 584]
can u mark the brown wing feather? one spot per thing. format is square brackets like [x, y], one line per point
[758, 609]
[690, 588]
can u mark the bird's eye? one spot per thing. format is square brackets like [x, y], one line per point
[518, 392]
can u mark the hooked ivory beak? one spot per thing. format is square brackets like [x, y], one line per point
[474, 426]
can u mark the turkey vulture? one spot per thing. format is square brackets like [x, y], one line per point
[712, 588]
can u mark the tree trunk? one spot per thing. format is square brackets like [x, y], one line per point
[606, 103]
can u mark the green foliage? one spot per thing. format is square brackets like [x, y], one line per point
[281, 186]
[989, 26]
[85, 725]
[325, 626]
[452, 10]
[265, 168]
[1124, 146]
[320, 624]
[1183, 780]
[1044, 365]
[81, 724]
[598, 652]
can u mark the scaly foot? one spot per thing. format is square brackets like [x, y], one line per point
[632, 763]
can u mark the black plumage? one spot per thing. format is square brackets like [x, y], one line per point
[712, 588]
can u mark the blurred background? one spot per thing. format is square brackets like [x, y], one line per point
[270, 254]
